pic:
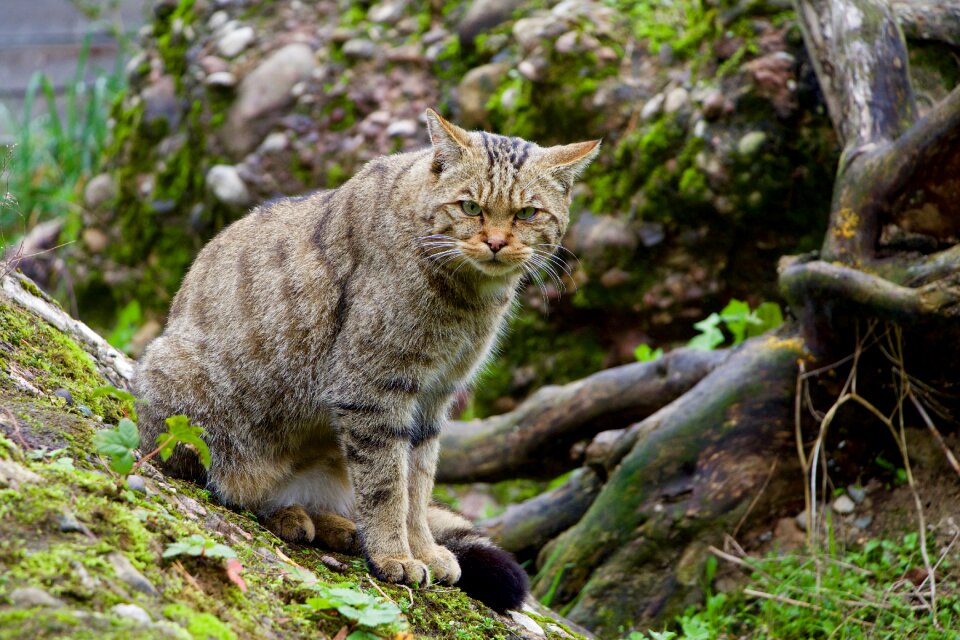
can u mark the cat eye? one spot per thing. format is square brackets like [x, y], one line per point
[470, 208]
[526, 213]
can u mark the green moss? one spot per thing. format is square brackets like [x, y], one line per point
[201, 626]
[49, 360]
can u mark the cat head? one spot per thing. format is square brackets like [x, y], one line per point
[500, 205]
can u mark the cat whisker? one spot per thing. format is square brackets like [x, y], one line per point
[557, 247]
[554, 260]
[538, 280]
[542, 264]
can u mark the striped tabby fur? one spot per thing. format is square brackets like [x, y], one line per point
[319, 341]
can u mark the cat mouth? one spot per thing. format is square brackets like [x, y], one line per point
[495, 266]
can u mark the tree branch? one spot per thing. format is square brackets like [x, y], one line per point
[535, 439]
[936, 20]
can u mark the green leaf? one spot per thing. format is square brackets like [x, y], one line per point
[644, 353]
[118, 443]
[710, 335]
[180, 431]
[123, 396]
[770, 316]
[197, 545]
[736, 315]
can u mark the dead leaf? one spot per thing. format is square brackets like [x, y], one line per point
[341, 635]
[234, 568]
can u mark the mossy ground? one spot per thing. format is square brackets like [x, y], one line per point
[193, 597]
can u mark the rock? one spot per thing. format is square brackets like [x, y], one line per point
[360, 48]
[30, 597]
[567, 43]
[65, 394]
[131, 612]
[802, 519]
[274, 143]
[389, 11]
[137, 483]
[614, 278]
[402, 129]
[235, 41]
[528, 31]
[863, 522]
[843, 505]
[530, 70]
[484, 15]
[750, 143]
[213, 64]
[528, 624]
[676, 100]
[85, 410]
[652, 107]
[128, 574]
[475, 90]
[857, 493]
[263, 90]
[95, 239]
[602, 241]
[160, 103]
[227, 186]
[713, 105]
[220, 79]
[13, 474]
[69, 524]
[100, 190]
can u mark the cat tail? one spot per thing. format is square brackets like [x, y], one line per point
[489, 574]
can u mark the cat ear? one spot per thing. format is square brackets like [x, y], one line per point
[568, 161]
[449, 141]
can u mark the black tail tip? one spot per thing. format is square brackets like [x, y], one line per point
[492, 576]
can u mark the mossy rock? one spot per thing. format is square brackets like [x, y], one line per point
[77, 535]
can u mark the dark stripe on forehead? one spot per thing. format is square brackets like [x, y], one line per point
[522, 154]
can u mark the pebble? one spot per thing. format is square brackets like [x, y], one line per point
[750, 143]
[388, 12]
[221, 79]
[274, 143]
[801, 519]
[127, 573]
[858, 493]
[676, 100]
[29, 597]
[65, 394]
[227, 186]
[402, 129]
[713, 105]
[233, 42]
[95, 239]
[69, 524]
[652, 107]
[527, 623]
[137, 483]
[844, 505]
[100, 190]
[359, 48]
[131, 612]
[13, 474]
[85, 410]
[863, 521]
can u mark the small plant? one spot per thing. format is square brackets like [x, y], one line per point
[740, 321]
[371, 617]
[120, 442]
[645, 353]
[196, 545]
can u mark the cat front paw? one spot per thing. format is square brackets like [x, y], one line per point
[291, 524]
[444, 566]
[403, 570]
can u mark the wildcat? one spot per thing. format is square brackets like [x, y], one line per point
[319, 341]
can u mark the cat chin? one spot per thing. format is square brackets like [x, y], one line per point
[493, 269]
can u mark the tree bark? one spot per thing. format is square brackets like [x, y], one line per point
[534, 440]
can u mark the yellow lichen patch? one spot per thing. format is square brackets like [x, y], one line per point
[792, 344]
[848, 221]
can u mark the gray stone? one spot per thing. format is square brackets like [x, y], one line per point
[402, 129]
[136, 483]
[359, 48]
[274, 143]
[652, 107]
[676, 100]
[751, 143]
[100, 190]
[843, 505]
[263, 90]
[65, 394]
[225, 183]
[483, 15]
[802, 520]
[128, 574]
[475, 90]
[863, 521]
[160, 103]
[69, 524]
[858, 493]
[388, 11]
[30, 597]
[220, 79]
[235, 41]
[131, 612]
[13, 474]
[528, 624]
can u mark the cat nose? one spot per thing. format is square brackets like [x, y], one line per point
[496, 243]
